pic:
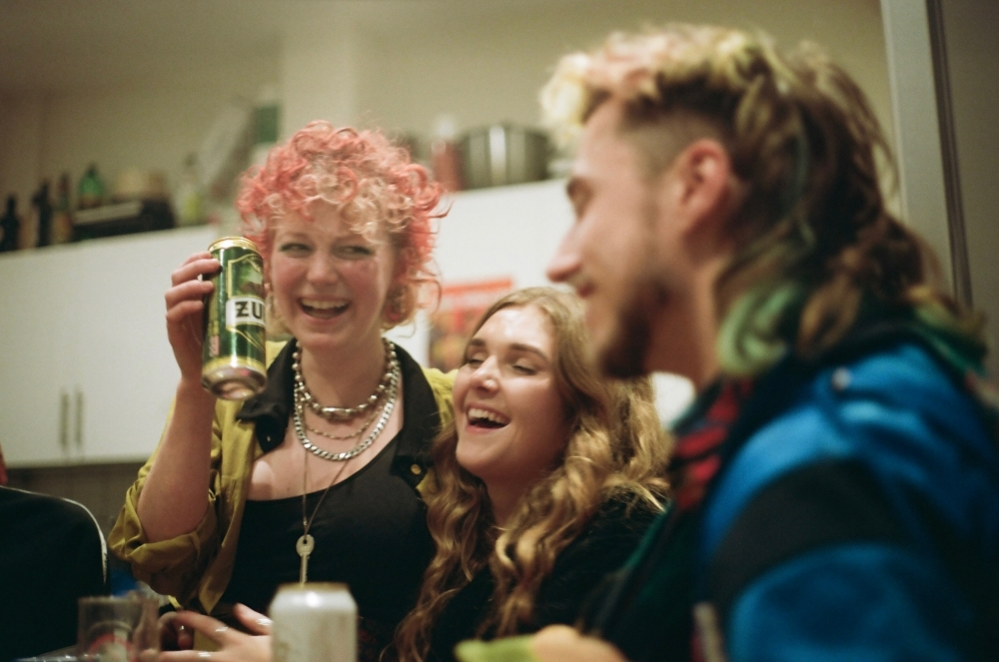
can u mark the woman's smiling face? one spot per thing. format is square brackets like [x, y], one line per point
[508, 411]
[329, 284]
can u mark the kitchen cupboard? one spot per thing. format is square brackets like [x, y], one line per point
[86, 372]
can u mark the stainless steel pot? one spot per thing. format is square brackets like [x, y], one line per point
[503, 154]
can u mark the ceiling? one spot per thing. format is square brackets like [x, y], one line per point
[50, 45]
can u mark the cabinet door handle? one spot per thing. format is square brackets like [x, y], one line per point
[79, 419]
[64, 420]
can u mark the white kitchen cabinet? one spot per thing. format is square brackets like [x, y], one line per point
[35, 392]
[86, 372]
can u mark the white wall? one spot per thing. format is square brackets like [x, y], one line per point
[491, 70]
[148, 126]
[512, 232]
[394, 64]
[21, 131]
[507, 232]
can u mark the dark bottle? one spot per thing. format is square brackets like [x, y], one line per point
[43, 206]
[62, 222]
[10, 226]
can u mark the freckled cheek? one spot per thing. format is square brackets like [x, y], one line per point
[282, 284]
[363, 275]
[282, 273]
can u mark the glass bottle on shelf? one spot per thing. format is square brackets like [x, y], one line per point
[62, 221]
[90, 191]
[43, 214]
[10, 227]
[189, 202]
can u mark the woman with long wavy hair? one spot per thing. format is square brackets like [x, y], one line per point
[545, 481]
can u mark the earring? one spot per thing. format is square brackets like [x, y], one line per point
[275, 326]
[394, 304]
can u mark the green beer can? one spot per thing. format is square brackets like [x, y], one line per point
[233, 356]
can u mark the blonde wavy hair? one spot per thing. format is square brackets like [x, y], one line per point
[816, 246]
[616, 447]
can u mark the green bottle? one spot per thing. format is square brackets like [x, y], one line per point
[90, 192]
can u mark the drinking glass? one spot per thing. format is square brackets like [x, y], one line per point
[118, 629]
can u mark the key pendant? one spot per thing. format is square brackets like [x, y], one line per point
[304, 547]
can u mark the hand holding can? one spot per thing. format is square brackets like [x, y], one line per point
[185, 301]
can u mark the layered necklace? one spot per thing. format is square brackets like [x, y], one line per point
[387, 390]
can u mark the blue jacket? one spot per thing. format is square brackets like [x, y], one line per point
[855, 517]
[861, 522]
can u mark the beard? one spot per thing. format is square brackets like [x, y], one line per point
[623, 354]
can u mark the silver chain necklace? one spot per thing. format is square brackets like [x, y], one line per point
[298, 418]
[343, 413]
[341, 437]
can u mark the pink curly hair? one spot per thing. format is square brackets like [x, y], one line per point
[370, 182]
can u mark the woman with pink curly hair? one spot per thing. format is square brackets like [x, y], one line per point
[316, 477]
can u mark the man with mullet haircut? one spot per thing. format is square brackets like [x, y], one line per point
[836, 482]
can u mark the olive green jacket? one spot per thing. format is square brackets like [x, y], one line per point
[196, 567]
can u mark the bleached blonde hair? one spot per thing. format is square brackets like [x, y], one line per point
[816, 246]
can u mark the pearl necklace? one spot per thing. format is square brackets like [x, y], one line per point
[343, 413]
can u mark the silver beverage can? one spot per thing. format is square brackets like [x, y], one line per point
[313, 622]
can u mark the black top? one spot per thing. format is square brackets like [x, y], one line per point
[603, 546]
[370, 534]
[271, 409]
[51, 553]
[370, 531]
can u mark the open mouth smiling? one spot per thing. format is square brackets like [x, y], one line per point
[484, 418]
[323, 309]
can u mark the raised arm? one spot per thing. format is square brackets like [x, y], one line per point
[174, 497]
